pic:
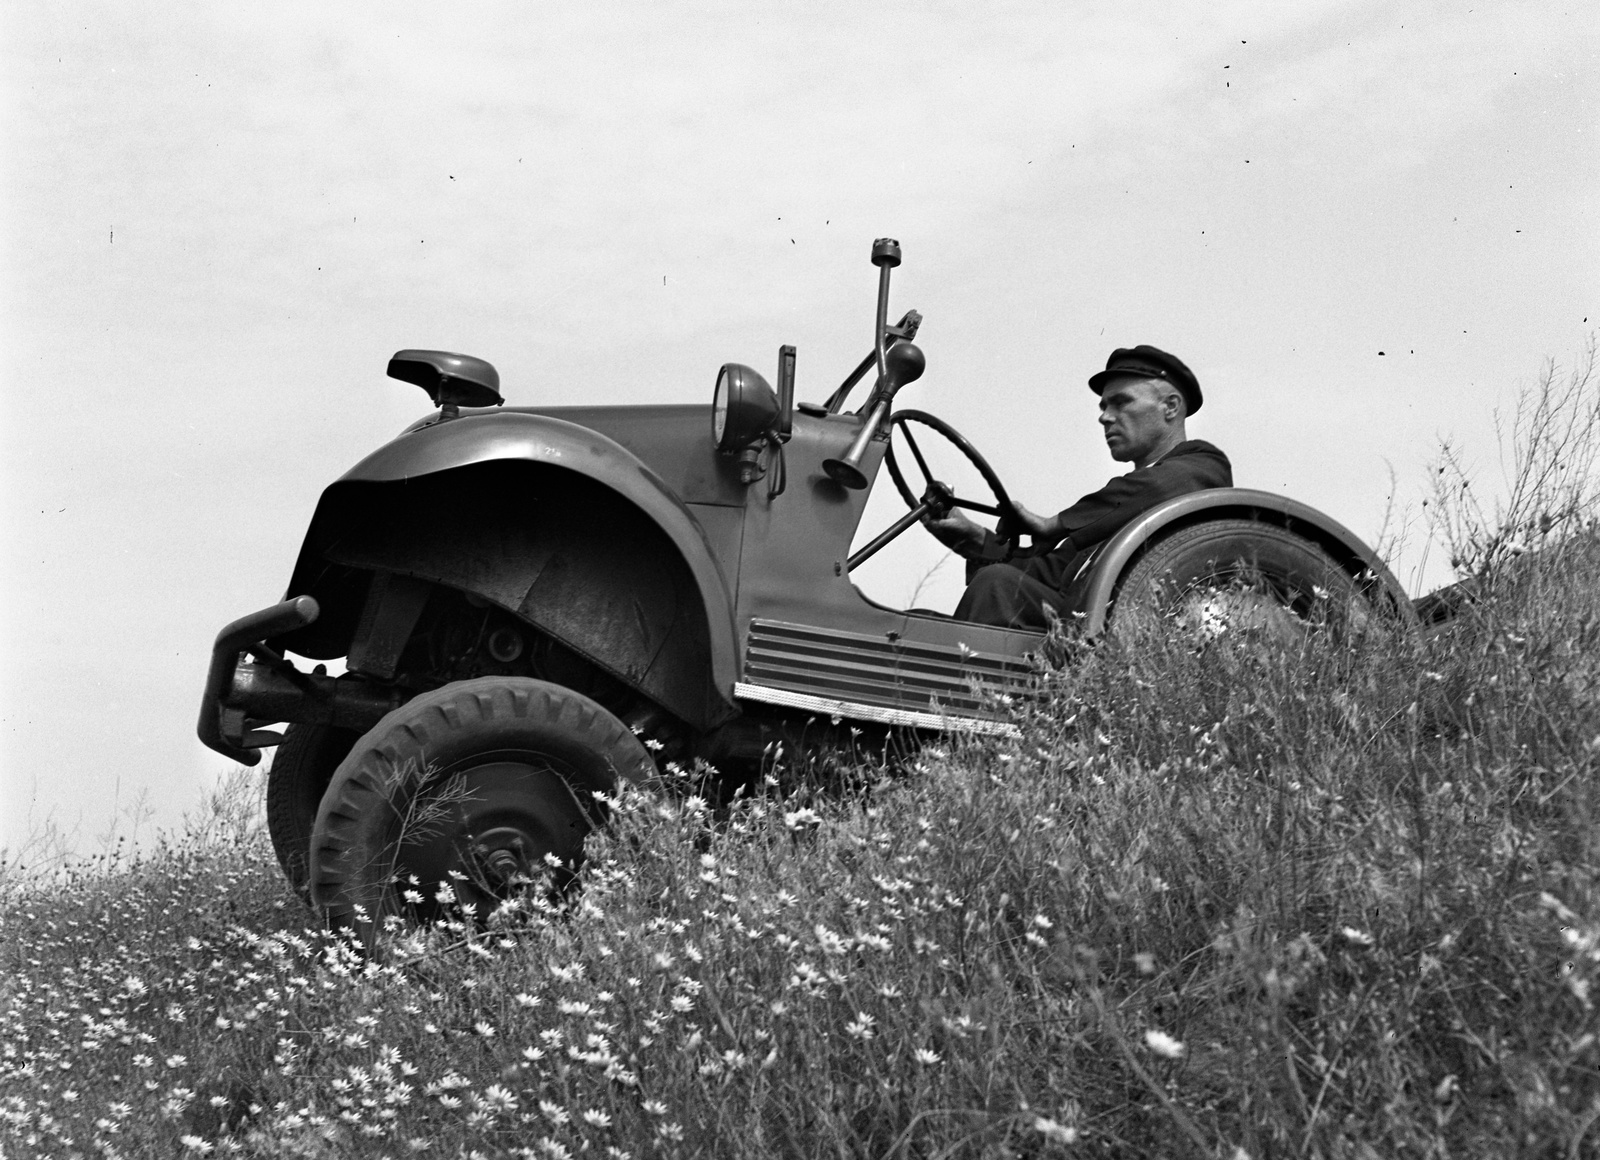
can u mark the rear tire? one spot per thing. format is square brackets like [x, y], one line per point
[302, 767]
[1239, 575]
[475, 786]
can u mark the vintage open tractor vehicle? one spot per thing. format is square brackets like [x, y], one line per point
[533, 603]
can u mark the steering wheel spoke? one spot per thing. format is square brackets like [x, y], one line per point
[916, 452]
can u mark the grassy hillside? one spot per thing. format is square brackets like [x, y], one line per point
[1215, 898]
[1218, 900]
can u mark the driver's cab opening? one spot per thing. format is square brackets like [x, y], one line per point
[839, 542]
[915, 573]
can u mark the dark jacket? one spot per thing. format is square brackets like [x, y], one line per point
[1192, 465]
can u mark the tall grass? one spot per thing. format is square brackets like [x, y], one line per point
[1218, 899]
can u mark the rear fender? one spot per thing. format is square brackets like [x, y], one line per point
[556, 523]
[1346, 548]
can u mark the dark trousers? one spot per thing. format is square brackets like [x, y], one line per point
[1017, 593]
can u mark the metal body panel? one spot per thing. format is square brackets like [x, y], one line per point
[436, 504]
[809, 631]
[792, 559]
[1232, 503]
[562, 552]
[673, 441]
[891, 672]
[638, 450]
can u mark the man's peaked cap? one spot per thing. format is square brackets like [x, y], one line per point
[1147, 362]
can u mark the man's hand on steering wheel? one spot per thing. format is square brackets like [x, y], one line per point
[955, 531]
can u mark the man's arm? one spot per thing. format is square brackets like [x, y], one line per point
[1193, 466]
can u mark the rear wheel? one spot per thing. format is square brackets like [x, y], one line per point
[1232, 576]
[467, 794]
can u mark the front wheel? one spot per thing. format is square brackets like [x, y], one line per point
[465, 795]
[301, 769]
[1233, 576]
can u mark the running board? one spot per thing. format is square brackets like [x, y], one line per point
[856, 711]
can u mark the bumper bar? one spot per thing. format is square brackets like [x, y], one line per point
[240, 696]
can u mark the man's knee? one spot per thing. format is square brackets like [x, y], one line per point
[1004, 595]
[997, 580]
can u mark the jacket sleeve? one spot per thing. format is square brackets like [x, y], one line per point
[1102, 514]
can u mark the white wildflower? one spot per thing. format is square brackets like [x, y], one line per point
[1051, 1130]
[1163, 1044]
[861, 1027]
[830, 942]
[498, 1099]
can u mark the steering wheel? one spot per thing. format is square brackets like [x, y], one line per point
[937, 498]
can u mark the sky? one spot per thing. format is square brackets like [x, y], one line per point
[1365, 225]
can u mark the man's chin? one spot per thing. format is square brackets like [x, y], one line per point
[1119, 452]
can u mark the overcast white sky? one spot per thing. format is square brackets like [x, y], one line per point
[1362, 224]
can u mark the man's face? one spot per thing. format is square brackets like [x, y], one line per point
[1135, 417]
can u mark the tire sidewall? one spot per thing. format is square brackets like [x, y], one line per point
[412, 748]
[302, 769]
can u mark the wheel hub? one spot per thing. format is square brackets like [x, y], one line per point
[491, 828]
[502, 855]
[1216, 612]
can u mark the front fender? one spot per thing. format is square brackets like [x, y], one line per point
[481, 472]
[482, 436]
[1346, 548]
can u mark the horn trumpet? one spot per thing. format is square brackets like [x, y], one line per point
[903, 363]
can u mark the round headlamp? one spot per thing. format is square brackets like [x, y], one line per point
[744, 408]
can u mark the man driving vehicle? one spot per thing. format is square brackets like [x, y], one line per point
[1145, 396]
